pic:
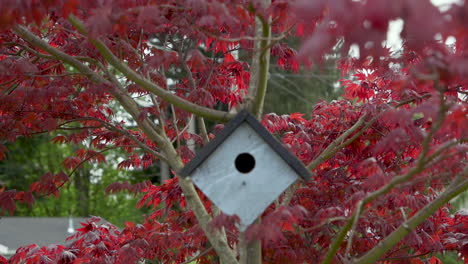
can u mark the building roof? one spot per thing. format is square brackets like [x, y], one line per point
[240, 118]
[20, 231]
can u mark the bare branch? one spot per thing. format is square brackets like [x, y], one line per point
[253, 38]
[179, 133]
[325, 222]
[35, 52]
[74, 170]
[338, 144]
[411, 100]
[342, 141]
[138, 142]
[162, 113]
[288, 195]
[199, 255]
[408, 226]
[353, 229]
[127, 102]
[405, 257]
[148, 85]
[121, 131]
[203, 131]
[216, 238]
[419, 167]
[188, 71]
[218, 241]
[260, 68]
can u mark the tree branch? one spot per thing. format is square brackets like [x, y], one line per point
[218, 241]
[338, 144]
[201, 254]
[187, 69]
[420, 166]
[138, 142]
[369, 198]
[353, 229]
[148, 85]
[408, 226]
[203, 131]
[341, 142]
[75, 169]
[251, 251]
[325, 222]
[406, 257]
[253, 38]
[127, 102]
[216, 238]
[260, 65]
[26, 48]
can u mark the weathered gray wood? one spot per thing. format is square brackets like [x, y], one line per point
[244, 194]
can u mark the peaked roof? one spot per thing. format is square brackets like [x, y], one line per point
[21, 231]
[240, 118]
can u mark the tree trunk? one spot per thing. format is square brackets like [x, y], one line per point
[82, 182]
[164, 172]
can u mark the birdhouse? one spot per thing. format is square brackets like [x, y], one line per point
[244, 169]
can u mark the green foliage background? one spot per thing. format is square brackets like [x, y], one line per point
[29, 158]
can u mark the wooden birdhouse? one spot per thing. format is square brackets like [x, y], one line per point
[244, 169]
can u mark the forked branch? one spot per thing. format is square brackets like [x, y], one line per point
[218, 242]
[421, 164]
[148, 85]
[124, 99]
[338, 144]
[456, 188]
[260, 67]
[342, 141]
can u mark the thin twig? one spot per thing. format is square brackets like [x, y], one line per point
[420, 166]
[405, 257]
[149, 85]
[407, 227]
[325, 222]
[138, 142]
[182, 131]
[252, 38]
[203, 131]
[74, 170]
[341, 141]
[162, 113]
[174, 122]
[187, 69]
[201, 254]
[124, 132]
[338, 144]
[353, 230]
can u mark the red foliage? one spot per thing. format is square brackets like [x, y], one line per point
[189, 48]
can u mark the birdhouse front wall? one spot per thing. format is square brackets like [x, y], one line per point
[244, 194]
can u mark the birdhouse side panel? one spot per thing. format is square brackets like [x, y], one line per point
[246, 194]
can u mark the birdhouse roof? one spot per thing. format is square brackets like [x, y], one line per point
[240, 118]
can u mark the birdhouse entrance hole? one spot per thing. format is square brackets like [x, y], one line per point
[245, 163]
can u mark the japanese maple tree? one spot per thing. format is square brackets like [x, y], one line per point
[134, 75]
